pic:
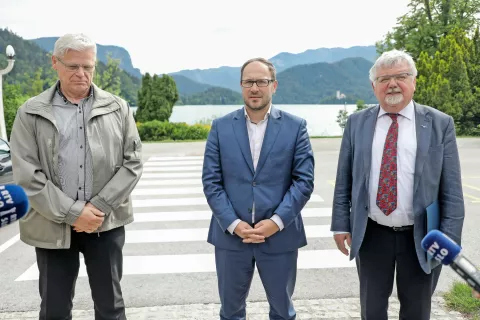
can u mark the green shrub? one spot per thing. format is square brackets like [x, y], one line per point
[164, 130]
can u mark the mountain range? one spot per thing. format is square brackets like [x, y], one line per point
[229, 77]
[310, 77]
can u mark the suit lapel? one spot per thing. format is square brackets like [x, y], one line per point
[240, 129]
[369, 123]
[423, 129]
[271, 133]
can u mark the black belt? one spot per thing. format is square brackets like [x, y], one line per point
[403, 228]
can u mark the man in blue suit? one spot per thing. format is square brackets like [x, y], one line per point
[396, 159]
[257, 176]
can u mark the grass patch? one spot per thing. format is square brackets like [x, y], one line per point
[460, 299]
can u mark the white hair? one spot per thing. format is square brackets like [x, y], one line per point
[389, 59]
[76, 42]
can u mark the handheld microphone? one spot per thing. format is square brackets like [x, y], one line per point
[445, 250]
[13, 204]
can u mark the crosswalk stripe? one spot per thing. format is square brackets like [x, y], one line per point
[175, 158]
[171, 169]
[172, 182]
[173, 163]
[9, 243]
[200, 234]
[176, 202]
[171, 175]
[207, 215]
[166, 191]
[195, 263]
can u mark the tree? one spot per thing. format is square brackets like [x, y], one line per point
[445, 82]
[342, 118]
[427, 21]
[13, 98]
[109, 78]
[361, 105]
[156, 98]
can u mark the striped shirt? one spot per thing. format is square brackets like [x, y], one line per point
[75, 165]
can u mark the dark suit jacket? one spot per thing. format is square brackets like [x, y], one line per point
[282, 183]
[437, 176]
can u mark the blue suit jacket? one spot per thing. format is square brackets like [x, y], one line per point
[282, 183]
[437, 176]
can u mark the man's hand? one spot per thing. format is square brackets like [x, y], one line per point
[241, 229]
[90, 219]
[265, 228]
[340, 241]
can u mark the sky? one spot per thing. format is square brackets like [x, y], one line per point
[172, 35]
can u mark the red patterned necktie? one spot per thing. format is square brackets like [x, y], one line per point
[387, 183]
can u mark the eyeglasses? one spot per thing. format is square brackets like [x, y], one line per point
[259, 83]
[75, 67]
[398, 77]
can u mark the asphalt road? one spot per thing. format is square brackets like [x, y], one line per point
[167, 258]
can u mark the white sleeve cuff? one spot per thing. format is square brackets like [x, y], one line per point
[234, 224]
[276, 218]
[340, 232]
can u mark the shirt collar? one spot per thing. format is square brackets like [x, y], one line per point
[60, 93]
[264, 118]
[407, 112]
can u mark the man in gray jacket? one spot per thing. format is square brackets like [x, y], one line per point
[77, 153]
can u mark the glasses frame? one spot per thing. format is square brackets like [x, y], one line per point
[76, 67]
[242, 83]
[394, 76]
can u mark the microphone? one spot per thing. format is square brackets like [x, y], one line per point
[445, 250]
[13, 204]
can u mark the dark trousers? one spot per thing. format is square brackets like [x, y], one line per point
[383, 250]
[235, 272]
[59, 270]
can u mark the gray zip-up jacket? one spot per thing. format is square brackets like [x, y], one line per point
[117, 166]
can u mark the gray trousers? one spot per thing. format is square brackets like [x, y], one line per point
[383, 252]
[59, 271]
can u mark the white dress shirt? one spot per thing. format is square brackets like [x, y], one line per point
[406, 155]
[256, 133]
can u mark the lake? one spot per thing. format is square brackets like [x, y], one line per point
[321, 118]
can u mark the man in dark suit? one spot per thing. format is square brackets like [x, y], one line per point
[257, 176]
[395, 160]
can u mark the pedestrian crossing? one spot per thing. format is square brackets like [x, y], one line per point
[171, 211]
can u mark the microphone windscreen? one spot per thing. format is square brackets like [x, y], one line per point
[13, 203]
[441, 247]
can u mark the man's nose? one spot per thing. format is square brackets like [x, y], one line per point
[254, 87]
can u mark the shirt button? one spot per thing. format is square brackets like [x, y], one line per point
[254, 183]
[79, 188]
[81, 147]
[81, 166]
[81, 128]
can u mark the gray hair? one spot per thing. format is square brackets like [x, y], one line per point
[76, 42]
[390, 59]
